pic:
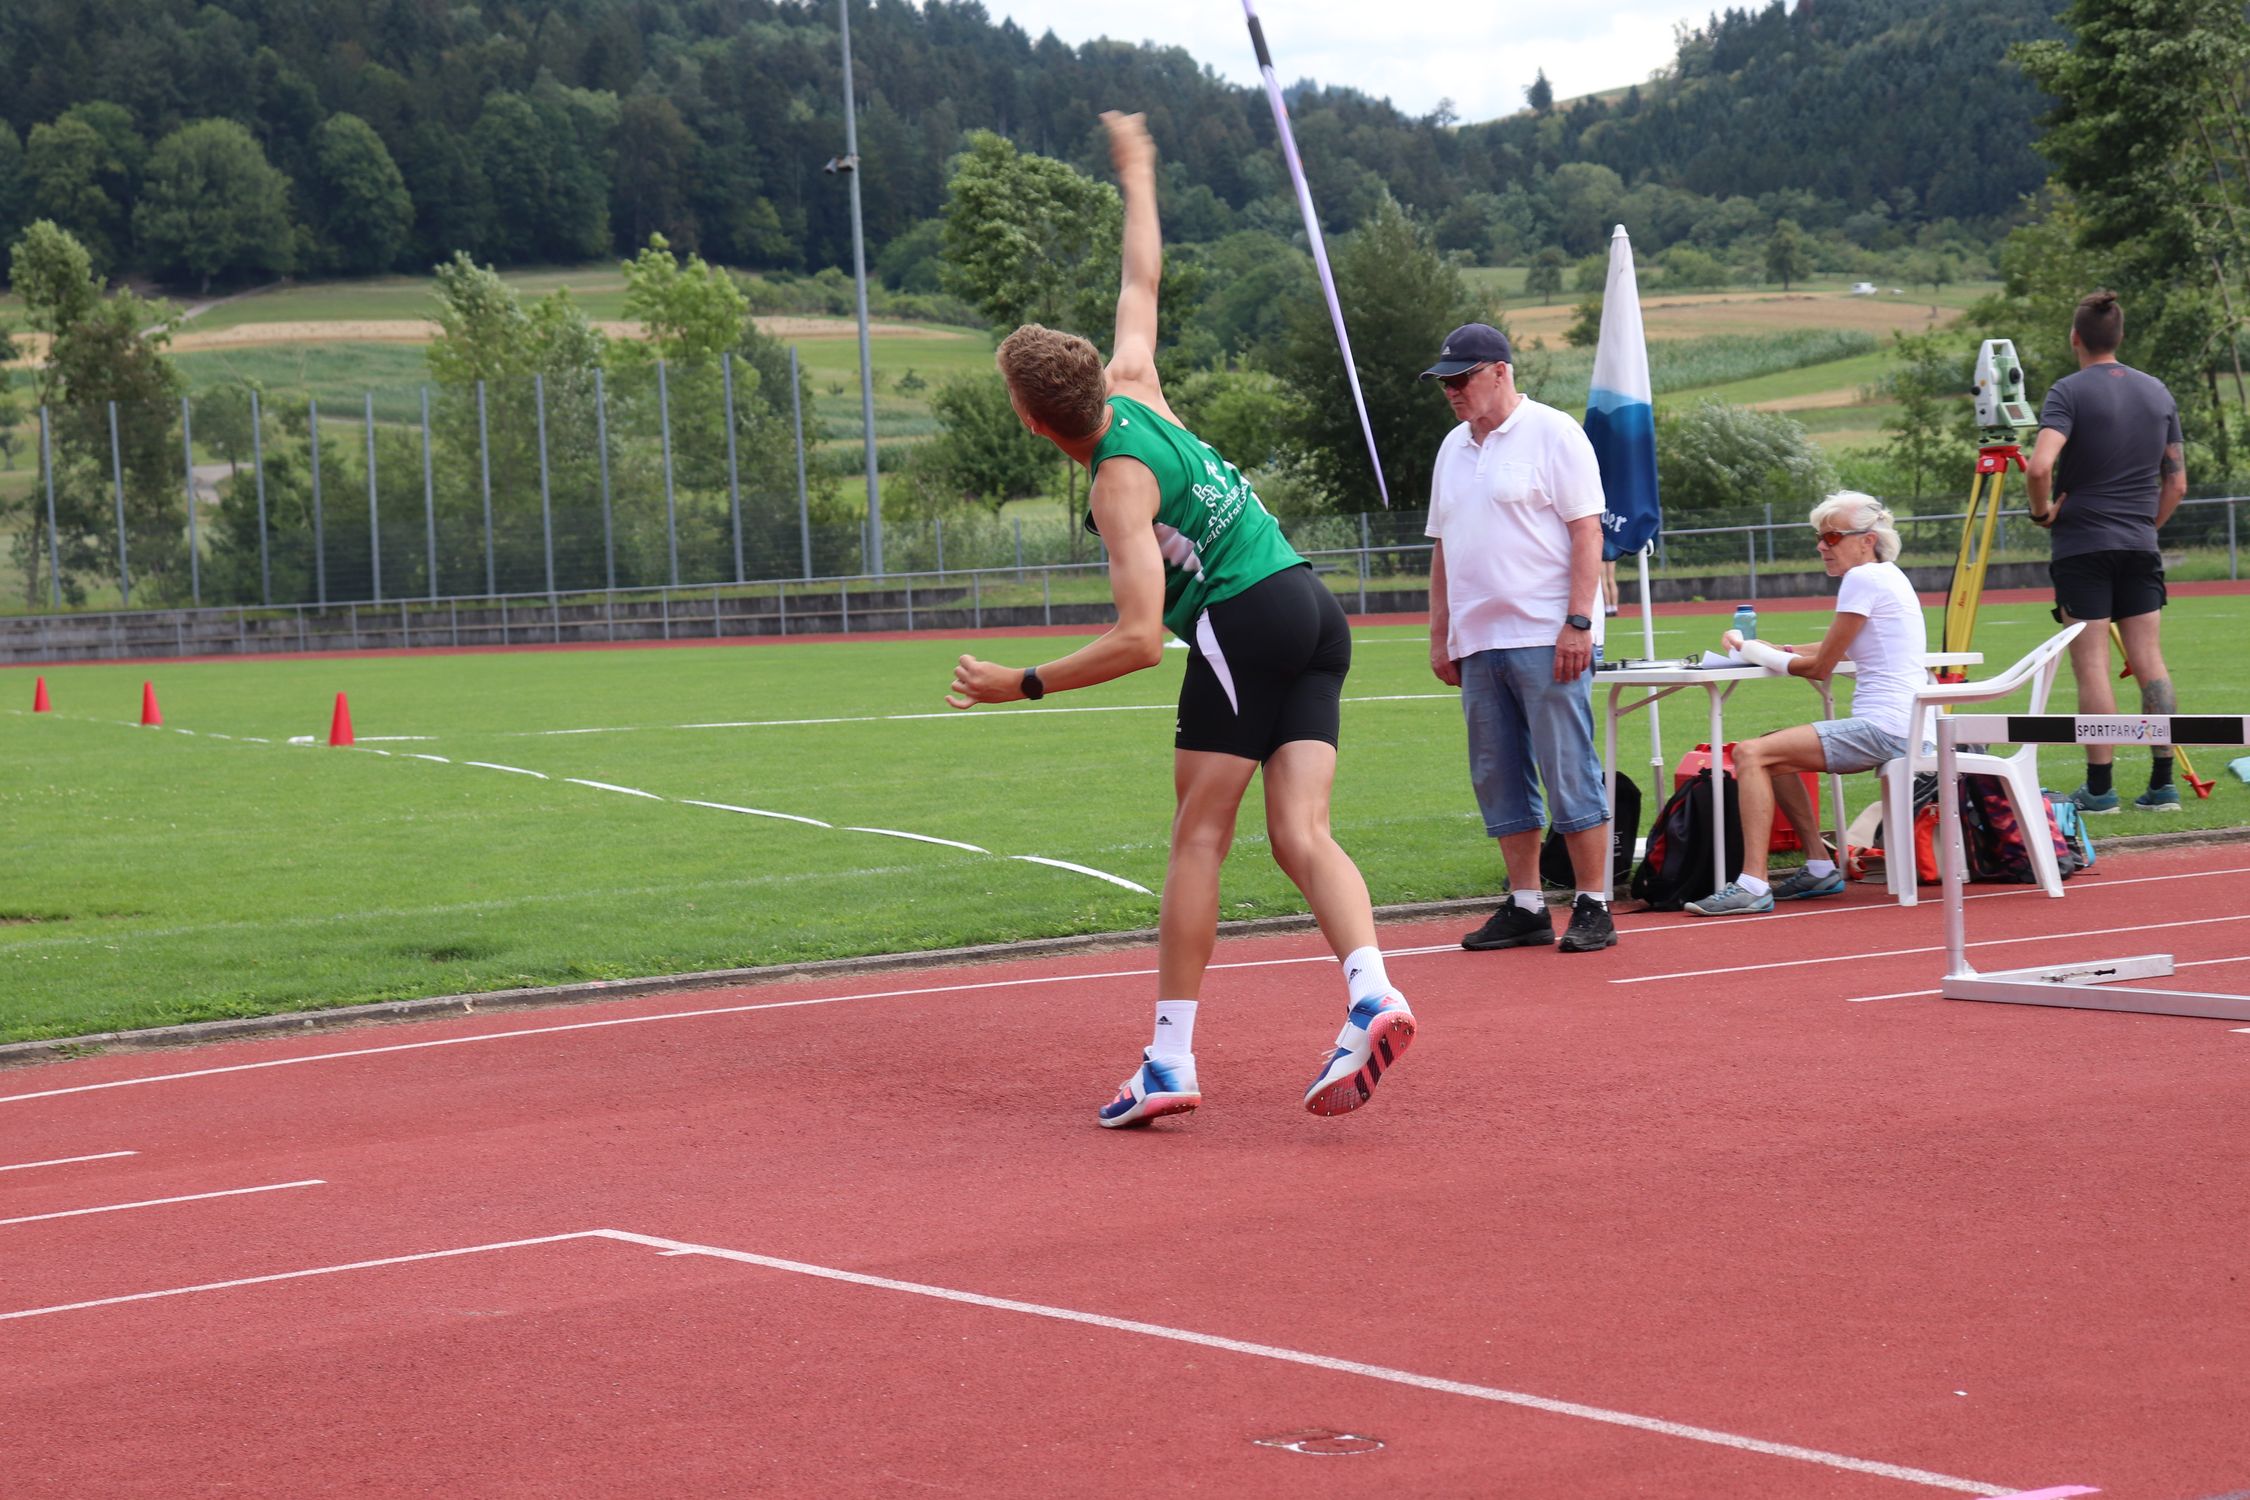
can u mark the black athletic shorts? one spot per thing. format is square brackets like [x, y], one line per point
[1264, 668]
[2108, 585]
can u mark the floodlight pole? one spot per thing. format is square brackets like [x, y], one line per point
[849, 167]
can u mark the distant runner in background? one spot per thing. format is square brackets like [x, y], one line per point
[1192, 548]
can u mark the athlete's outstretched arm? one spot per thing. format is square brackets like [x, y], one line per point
[1124, 501]
[1133, 355]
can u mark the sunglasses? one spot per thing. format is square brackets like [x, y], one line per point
[1836, 538]
[1457, 382]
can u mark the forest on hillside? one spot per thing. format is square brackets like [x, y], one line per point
[227, 140]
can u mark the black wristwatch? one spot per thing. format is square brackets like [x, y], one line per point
[1578, 622]
[1033, 688]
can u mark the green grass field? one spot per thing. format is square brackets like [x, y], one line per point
[161, 877]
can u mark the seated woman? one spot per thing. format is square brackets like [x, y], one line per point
[1879, 628]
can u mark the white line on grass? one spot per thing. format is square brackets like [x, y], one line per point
[1853, 958]
[1278, 1354]
[757, 812]
[511, 770]
[920, 838]
[682, 1015]
[116, 1208]
[605, 786]
[1064, 864]
[64, 1161]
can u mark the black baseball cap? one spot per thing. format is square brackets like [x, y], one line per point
[1468, 346]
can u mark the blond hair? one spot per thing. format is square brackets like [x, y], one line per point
[1056, 378]
[1849, 510]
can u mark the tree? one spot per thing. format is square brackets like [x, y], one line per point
[1717, 462]
[1400, 299]
[655, 149]
[102, 350]
[361, 211]
[1788, 258]
[1933, 428]
[1544, 279]
[13, 187]
[78, 182]
[1029, 239]
[1585, 330]
[982, 450]
[212, 204]
[510, 147]
[1540, 94]
[1689, 269]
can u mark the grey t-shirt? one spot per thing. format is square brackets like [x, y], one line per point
[2119, 422]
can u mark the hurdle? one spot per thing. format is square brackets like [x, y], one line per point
[2100, 984]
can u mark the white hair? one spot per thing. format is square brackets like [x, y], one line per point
[1849, 510]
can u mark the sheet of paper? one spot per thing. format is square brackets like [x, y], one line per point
[1722, 659]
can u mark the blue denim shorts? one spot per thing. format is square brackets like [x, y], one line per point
[1521, 720]
[1856, 744]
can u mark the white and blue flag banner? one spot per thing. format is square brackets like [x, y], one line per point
[1620, 419]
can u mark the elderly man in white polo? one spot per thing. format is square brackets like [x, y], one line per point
[1516, 515]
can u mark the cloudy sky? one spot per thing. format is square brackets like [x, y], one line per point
[1479, 57]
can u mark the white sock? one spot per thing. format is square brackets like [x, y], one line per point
[1821, 867]
[1363, 973]
[1752, 884]
[1528, 900]
[1175, 1029]
[1594, 896]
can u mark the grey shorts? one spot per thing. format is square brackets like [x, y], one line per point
[1856, 744]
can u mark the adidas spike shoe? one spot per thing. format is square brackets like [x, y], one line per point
[1375, 1036]
[1158, 1087]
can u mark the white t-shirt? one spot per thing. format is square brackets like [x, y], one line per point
[1887, 652]
[1501, 508]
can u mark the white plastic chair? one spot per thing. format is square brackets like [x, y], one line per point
[2018, 772]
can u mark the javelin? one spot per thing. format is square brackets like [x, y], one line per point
[1312, 231]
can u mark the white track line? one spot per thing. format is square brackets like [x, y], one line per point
[511, 770]
[1332, 1364]
[357, 1265]
[1064, 864]
[2012, 893]
[679, 1015]
[64, 1161]
[1329, 1363]
[2195, 963]
[1853, 958]
[607, 786]
[118, 1208]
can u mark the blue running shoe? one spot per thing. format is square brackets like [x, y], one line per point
[1160, 1086]
[2158, 799]
[2092, 804]
[1375, 1036]
[1803, 885]
[1731, 900]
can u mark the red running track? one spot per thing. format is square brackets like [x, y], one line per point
[1730, 1233]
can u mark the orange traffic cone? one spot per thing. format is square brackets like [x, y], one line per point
[39, 703]
[150, 718]
[340, 725]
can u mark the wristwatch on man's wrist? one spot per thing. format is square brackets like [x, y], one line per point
[1578, 622]
[1033, 688]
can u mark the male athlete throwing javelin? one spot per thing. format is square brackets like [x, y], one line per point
[1192, 548]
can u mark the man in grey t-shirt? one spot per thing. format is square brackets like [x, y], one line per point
[2105, 473]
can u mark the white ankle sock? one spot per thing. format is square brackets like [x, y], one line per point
[1528, 900]
[1821, 867]
[1363, 973]
[1175, 1029]
[1753, 884]
[1594, 896]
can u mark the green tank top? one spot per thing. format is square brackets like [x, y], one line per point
[1217, 537]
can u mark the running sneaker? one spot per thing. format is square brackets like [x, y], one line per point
[2158, 799]
[1590, 928]
[1803, 885]
[1376, 1035]
[1159, 1086]
[1731, 900]
[1512, 927]
[2094, 804]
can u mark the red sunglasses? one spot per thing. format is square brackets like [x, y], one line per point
[1836, 538]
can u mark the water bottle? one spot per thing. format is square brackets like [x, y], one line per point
[1746, 621]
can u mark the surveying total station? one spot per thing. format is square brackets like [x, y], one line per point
[2003, 416]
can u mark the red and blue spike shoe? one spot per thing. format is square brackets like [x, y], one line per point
[1160, 1086]
[1375, 1037]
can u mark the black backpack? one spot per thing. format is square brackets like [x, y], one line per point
[1677, 867]
[1554, 854]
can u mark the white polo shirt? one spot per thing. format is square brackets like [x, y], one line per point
[1502, 509]
[1886, 655]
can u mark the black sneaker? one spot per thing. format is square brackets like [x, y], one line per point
[1591, 930]
[1512, 927]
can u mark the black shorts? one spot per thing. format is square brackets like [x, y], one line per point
[1264, 668]
[2108, 585]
